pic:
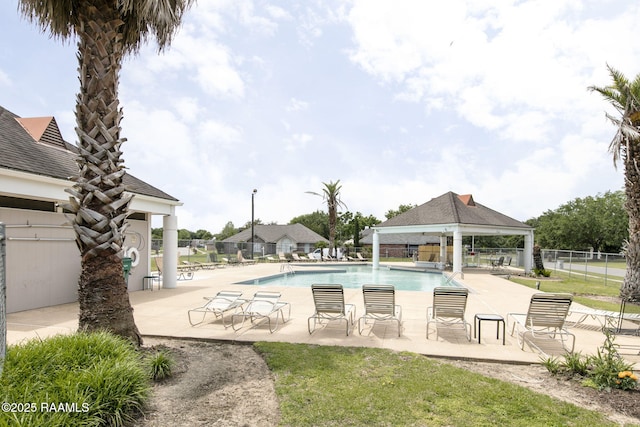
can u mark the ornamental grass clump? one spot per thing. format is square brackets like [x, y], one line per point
[604, 371]
[160, 365]
[73, 380]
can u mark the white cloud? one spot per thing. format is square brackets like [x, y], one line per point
[297, 105]
[402, 101]
[4, 79]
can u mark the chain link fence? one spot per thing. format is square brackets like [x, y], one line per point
[212, 251]
[592, 266]
[607, 268]
[3, 296]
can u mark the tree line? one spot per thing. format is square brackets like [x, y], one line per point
[597, 222]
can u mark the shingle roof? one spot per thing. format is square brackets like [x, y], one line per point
[36, 146]
[273, 233]
[450, 208]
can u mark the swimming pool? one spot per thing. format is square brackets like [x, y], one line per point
[356, 276]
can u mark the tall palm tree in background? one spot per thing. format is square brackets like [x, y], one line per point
[106, 31]
[624, 95]
[331, 194]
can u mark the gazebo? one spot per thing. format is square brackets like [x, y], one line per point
[454, 215]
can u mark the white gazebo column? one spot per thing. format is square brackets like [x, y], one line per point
[457, 251]
[376, 250]
[528, 252]
[443, 250]
[170, 251]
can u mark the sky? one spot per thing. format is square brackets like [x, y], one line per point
[402, 101]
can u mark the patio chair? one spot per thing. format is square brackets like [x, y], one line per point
[380, 305]
[184, 272]
[227, 261]
[329, 306]
[607, 318]
[242, 260]
[360, 257]
[218, 305]
[497, 264]
[449, 305]
[262, 306]
[545, 319]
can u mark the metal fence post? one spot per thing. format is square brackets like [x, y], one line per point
[3, 298]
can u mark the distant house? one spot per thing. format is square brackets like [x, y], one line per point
[42, 259]
[274, 239]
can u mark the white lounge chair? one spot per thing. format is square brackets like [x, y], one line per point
[263, 306]
[223, 301]
[380, 305]
[244, 261]
[606, 318]
[448, 310]
[545, 319]
[329, 306]
[360, 257]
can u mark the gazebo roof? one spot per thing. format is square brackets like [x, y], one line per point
[453, 209]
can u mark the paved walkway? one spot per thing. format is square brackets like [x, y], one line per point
[164, 313]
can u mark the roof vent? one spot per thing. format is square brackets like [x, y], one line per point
[467, 199]
[43, 129]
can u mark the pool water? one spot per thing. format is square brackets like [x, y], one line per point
[356, 276]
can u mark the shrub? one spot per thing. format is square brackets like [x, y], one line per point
[576, 364]
[160, 365]
[552, 364]
[74, 380]
[542, 272]
[604, 370]
[607, 366]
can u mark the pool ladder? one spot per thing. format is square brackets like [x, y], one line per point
[450, 278]
[287, 268]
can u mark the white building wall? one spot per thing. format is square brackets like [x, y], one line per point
[43, 261]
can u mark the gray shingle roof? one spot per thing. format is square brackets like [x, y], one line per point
[51, 156]
[273, 233]
[450, 208]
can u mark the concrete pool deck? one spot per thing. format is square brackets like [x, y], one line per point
[163, 313]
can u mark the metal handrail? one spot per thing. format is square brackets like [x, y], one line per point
[450, 278]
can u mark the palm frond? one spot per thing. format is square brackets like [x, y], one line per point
[619, 80]
[141, 18]
[612, 95]
[56, 17]
[160, 18]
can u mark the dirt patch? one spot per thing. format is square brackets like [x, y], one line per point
[222, 384]
[213, 384]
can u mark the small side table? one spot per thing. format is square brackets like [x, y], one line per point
[148, 281]
[477, 321]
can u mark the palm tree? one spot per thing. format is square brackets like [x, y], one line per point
[106, 30]
[331, 194]
[624, 95]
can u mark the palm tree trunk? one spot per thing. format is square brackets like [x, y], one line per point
[332, 229]
[100, 206]
[631, 286]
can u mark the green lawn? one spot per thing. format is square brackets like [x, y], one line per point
[343, 386]
[585, 292]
